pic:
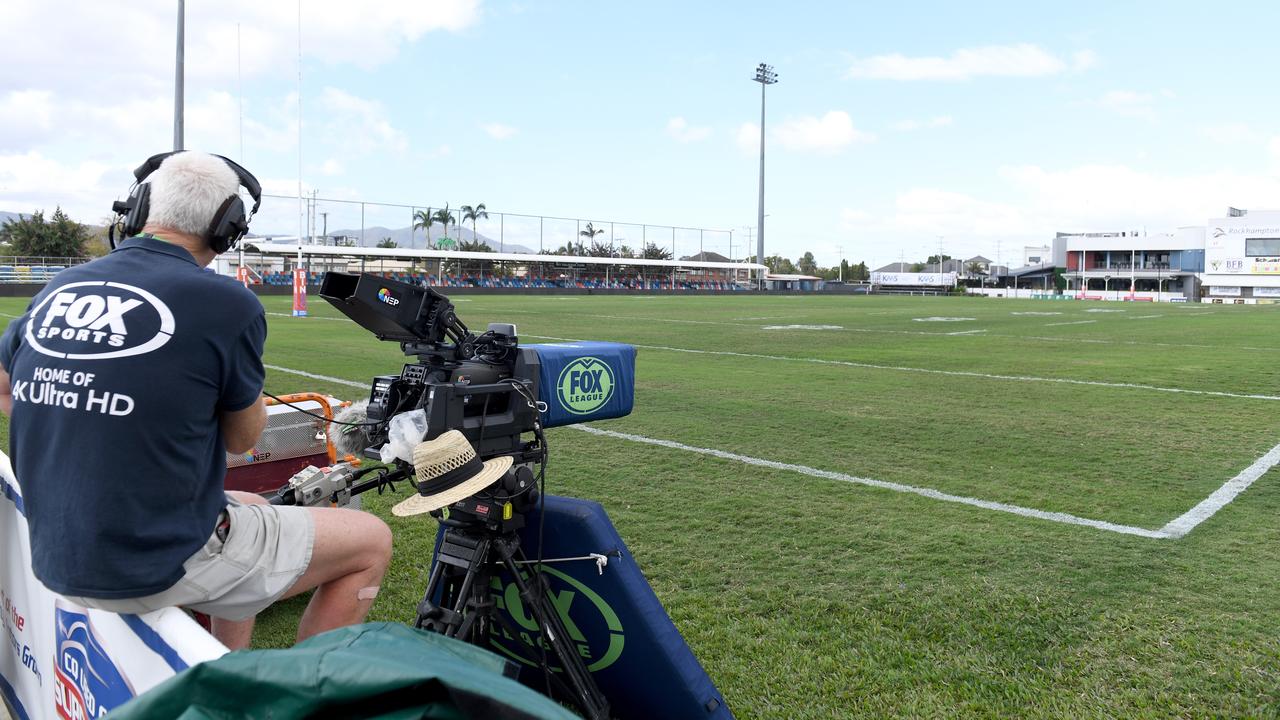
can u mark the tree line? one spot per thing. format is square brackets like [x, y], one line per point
[807, 265]
[57, 237]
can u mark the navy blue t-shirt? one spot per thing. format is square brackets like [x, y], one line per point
[119, 370]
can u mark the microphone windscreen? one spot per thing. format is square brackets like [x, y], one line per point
[351, 439]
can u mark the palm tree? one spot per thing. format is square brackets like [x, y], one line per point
[444, 217]
[473, 214]
[423, 219]
[590, 232]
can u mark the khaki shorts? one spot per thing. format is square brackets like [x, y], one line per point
[268, 547]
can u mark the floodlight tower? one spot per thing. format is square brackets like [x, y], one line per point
[178, 82]
[766, 77]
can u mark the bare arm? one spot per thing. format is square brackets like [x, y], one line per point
[242, 428]
[6, 393]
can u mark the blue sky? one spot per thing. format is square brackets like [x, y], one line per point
[980, 127]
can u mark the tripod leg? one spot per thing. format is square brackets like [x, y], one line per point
[578, 679]
[460, 576]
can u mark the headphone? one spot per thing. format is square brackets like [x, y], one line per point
[229, 224]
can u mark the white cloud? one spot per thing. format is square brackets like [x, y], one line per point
[498, 131]
[357, 124]
[679, 129]
[748, 137]
[933, 122]
[1232, 133]
[31, 181]
[1084, 60]
[97, 51]
[1035, 202]
[1274, 148]
[26, 117]
[830, 133]
[331, 167]
[1129, 103]
[851, 218]
[1021, 60]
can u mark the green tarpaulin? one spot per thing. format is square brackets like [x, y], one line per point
[376, 670]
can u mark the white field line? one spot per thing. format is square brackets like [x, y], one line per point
[1043, 338]
[966, 332]
[929, 371]
[310, 317]
[326, 378]
[1144, 317]
[870, 366]
[1173, 530]
[883, 485]
[1223, 495]
[1077, 322]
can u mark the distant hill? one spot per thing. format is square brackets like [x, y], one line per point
[7, 216]
[408, 238]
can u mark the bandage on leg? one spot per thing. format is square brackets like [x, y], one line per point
[368, 593]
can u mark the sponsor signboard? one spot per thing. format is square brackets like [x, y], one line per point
[1245, 245]
[1225, 291]
[1266, 292]
[60, 660]
[914, 279]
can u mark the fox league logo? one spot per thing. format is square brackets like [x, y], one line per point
[585, 385]
[99, 320]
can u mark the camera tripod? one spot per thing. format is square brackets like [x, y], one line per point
[466, 561]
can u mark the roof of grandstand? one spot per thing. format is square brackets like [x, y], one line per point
[523, 258]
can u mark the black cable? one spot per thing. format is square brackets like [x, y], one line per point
[542, 523]
[321, 417]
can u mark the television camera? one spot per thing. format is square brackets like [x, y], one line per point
[500, 396]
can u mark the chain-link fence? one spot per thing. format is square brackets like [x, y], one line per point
[332, 221]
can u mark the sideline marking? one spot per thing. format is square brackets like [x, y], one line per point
[885, 485]
[1206, 508]
[870, 366]
[1175, 529]
[966, 332]
[801, 327]
[310, 317]
[313, 376]
[1095, 341]
[928, 371]
[1077, 322]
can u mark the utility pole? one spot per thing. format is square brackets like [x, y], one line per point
[766, 77]
[840, 250]
[325, 234]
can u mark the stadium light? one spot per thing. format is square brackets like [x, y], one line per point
[766, 77]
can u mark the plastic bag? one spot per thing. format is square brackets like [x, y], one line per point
[404, 433]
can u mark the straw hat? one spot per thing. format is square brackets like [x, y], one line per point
[448, 471]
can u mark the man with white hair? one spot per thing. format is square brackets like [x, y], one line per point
[127, 380]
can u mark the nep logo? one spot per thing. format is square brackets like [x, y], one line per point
[585, 385]
[385, 296]
[99, 320]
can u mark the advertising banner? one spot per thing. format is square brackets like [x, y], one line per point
[1225, 291]
[59, 660]
[1242, 246]
[299, 292]
[1266, 292]
[916, 279]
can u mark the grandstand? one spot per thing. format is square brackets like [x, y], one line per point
[273, 264]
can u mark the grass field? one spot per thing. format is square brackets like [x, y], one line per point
[1048, 575]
